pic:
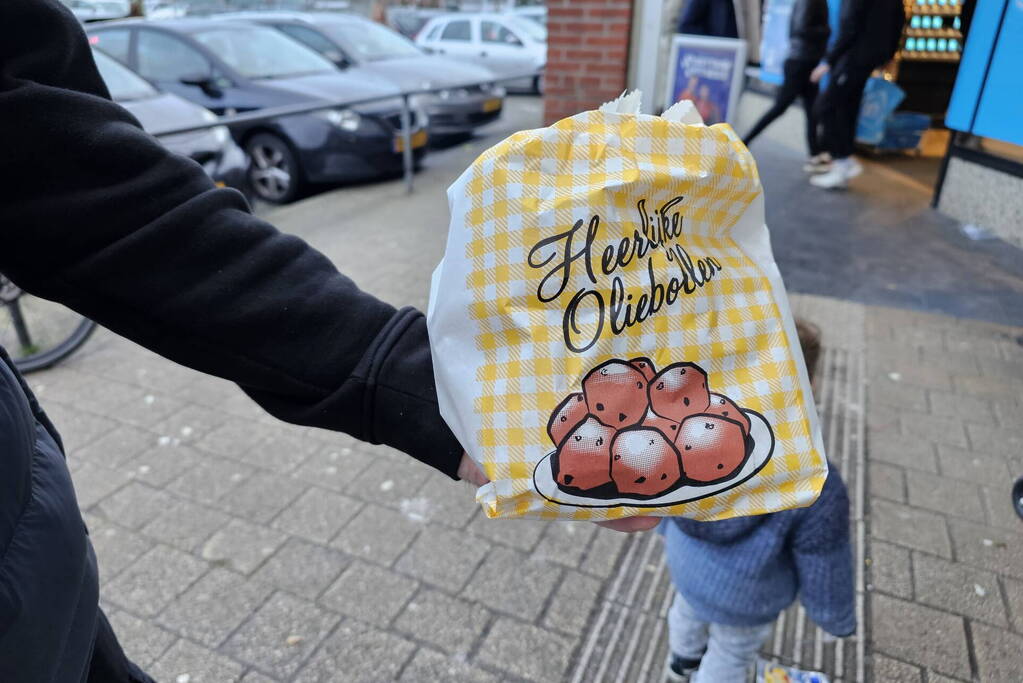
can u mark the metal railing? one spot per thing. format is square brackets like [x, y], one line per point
[271, 113]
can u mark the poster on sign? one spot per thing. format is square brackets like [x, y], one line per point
[708, 72]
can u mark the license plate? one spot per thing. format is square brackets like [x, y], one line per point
[418, 140]
[492, 105]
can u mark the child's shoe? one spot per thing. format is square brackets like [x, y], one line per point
[679, 669]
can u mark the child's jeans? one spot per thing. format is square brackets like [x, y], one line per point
[727, 651]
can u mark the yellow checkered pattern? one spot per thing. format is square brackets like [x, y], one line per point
[538, 183]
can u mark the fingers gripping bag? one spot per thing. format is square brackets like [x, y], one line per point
[610, 333]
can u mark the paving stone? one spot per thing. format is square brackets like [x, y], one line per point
[369, 593]
[448, 623]
[317, 515]
[976, 467]
[945, 495]
[334, 468]
[428, 667]
[191, 423]
[903, 396]
[998, 441]
[521, 534]
[1014, 596]
[565, 542]
[135, 505]
[887, 481]
[281, 635]
[211, 479]
[93, 483]
[185, 525]
[159, 466]
[992, 548]
[916, 454]
[961, 361]
[156, 578]
[1009, 413]
[971, 409]
[213, 607]
[256, 677]
[891, 569]
[996, 367]
[116, 548]
[142, 640]
[261, 497]
[909, 527]
[242, 546]
[186, 662]
[390, 482]
[117, 447]
[443, 501]
[145, 408]
[958, 588]
[918, 375]
[377, 533]
[994, 388]
[442, 557]
[77, 428]
[604, 551]
[302, 568]
[999, 654]
[513, 583]
[260, 445]
[935, 428]
[573, 602]
[526, 651]
[919, 635]
[893, 671]
[358, 653]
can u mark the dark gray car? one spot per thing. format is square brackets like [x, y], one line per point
[468, 98]
[233, 67]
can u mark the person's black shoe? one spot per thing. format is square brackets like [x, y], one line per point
[679, 669]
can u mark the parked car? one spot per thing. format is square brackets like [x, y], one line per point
[504, 43]
[234, 67]
[409, 20]
[98, 10]
[158, 112]
[469, 98]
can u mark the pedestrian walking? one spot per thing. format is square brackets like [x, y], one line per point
[97, 215]
[808, 41]
[869, 33]
[734, 577]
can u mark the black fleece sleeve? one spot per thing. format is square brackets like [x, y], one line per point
[851, 25]
[97, 215]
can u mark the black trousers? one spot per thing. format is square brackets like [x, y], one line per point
[796, 83]
[109, 664]
[838, 108]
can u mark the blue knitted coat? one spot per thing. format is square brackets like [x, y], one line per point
[745, 571]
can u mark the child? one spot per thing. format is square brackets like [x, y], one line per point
[734, 577]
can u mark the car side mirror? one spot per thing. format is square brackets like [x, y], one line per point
[513, 41]
[204, 81]
[340, 61]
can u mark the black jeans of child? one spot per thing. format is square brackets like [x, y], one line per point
[109, 664]
[838, 108]
[796, 83]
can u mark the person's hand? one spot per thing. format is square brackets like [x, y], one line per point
[631, 524]
[818, 73]
[469, 471]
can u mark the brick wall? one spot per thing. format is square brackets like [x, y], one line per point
[587, 54]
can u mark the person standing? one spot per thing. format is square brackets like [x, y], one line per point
[808, 41]
[869, 33]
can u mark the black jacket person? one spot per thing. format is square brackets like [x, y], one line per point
[97, 215]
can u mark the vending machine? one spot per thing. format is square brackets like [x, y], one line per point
[928, 59]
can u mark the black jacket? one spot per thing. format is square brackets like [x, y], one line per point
[709, 18]
[869, 33]
[97, 215]
[809, 30]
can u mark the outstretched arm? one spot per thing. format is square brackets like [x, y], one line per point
[96, 214]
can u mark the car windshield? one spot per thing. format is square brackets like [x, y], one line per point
[536, 32]
[369, 41]
[257, 52]
[124, 85]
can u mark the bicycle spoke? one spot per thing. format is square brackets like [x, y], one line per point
[20, 328]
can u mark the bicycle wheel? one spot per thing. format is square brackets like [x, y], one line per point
[38, 333]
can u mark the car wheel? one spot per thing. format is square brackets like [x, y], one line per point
[538, 84]
[274, 174]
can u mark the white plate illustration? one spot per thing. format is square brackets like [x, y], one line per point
[763, 446]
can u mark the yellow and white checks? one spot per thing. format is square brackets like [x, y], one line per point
[539, 184]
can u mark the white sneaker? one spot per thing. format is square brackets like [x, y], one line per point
[853, 168]
[838, 177]
[819, 163]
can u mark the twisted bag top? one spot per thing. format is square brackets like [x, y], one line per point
[610, 333]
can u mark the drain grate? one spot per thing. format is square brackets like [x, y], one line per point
[628, 639]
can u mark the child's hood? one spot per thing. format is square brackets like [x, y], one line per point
[722, 531]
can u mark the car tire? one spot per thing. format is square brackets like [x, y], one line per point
[538, 84]
[274, 173]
